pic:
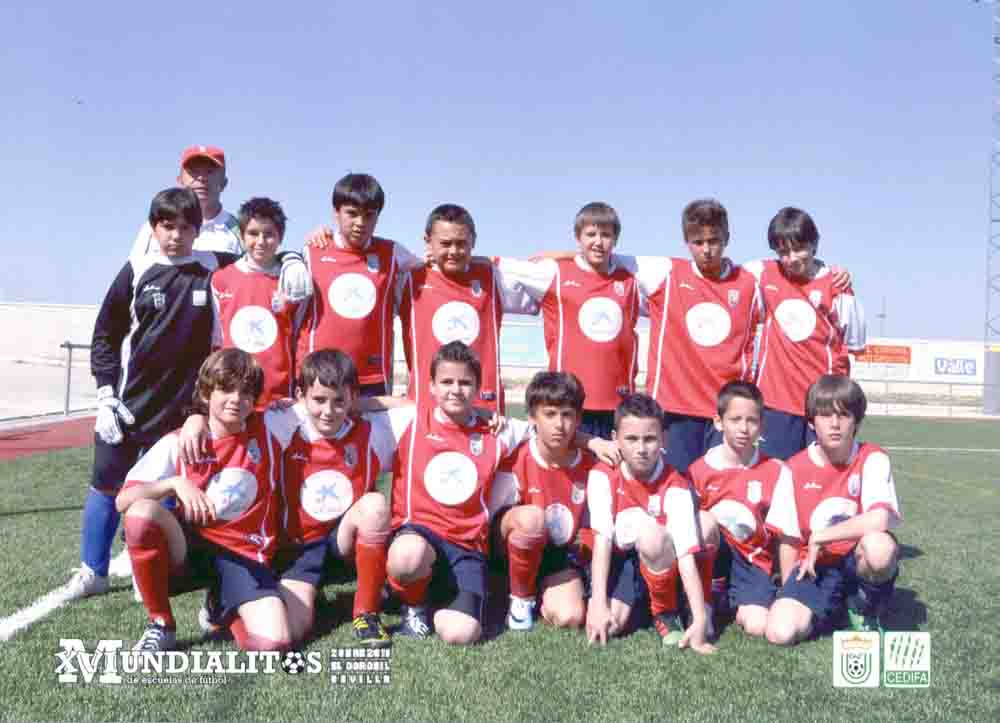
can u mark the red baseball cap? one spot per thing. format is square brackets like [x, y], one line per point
[212, 153]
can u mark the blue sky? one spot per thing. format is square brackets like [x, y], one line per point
[873, 116]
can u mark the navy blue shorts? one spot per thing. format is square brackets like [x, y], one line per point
[598, 422]
[826, 594]
[688, 438]
[749, 585]
[315, 562]
[113, 461]
[784, 435]
[626, 585]
[458, 579]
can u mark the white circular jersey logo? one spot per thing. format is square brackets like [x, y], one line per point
[600, 319]
[797, 319]
[232, 491]
[352, 296]
[451, 478]
[559, 523]
[327, 495]
[627, 525]
[253, 329]
[736, 518]
[831, 511]
[456, 321]
[708, 323]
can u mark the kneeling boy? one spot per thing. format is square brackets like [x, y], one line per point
[837, 551]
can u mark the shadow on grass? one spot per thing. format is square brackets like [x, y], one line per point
[909, 552]
[906, 611]
[41, 510]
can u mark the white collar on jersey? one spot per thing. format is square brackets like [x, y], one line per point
[440, 416]
[338, 239]
[247, 266]
[727, 268]
[584, 266]
[218, 219]
[657, 471]
[715, 459]
[536, 453]
[819, 458]
[312, 434]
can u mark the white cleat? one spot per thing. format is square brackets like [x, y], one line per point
[121, 565]
[84, 583]
[521, 615]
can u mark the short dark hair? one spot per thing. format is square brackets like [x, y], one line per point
[705, 212]
[459, 353]
[264, 208]
[638, 405]
[792, 228]
[739, 390]
[359, 189]
[331, 368]
[451, 213]
[836, 393]
[173, 204]
[598, 214]
[227, 369]
[557, 389]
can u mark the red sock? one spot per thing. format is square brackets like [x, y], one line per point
[411, 593]
[706, 561]
[147, 546]
[246, 640]
[662, 588]
[525, 553]
[369, 557]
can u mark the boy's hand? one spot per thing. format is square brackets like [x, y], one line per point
[840, 277]
[496, 421]
[320, 237]
[554, 255]
[598, 621]
[808, 566]
[280, 405]
[111, 415]
[198, 508]
[295, 282]
[694, 637]
[606, 450]
[193, 440]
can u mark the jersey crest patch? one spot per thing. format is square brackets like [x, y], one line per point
[653, 506]
[199, 297]
[579, 493]
[373, 264]
[755, 491]
[476, 444]
[734, 297]
[815, 296]
[854, 485]
[620, 288]
[253, 451]
[477, 289]
[351, 455]
[159, 300]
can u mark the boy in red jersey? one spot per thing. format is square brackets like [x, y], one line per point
[251, 313]
[355, 275]
[537, 506]
[645, 534]
[589, 305]
[735, 485]
[813, 320]
[837, 552]
[227, 513]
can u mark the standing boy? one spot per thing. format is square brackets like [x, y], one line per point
[645, 536]
[736, 485]
[537, 506]
[812, 323]
[837, 551]
[589, 305]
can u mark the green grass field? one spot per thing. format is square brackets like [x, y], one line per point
[948, 586]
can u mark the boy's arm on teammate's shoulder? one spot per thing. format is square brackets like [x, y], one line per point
[552, 255]
[851, 316]
[157, 475]
[531, 277]
[388, 428]
[511, 433]
[604, 449]
[649, 271]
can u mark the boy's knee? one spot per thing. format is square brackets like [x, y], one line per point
[655, 546]
[781, 632]
[709, 528]
[374, 512]
[406, 557]
[566, 616]
[529, 520]
[753, 623]
[264, 643]
[458, 632]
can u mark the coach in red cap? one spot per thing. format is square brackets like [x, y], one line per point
[203, 170]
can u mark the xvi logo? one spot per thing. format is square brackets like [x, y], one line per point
[75, 662]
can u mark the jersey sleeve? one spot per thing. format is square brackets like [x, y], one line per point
[283, 423]
[534, 277]
[878, 490]
[217, 334]
[513, 433]
[649, 271]
[384, 440]
[679, 506]
[851, 315]
[599, 503]
[782, 516]
[393, 423]
[515, 296]
[114, 321]
[755, 267]
[160, 462]
[505, 490]
[405, 260]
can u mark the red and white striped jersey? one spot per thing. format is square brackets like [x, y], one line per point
[809, 328]
[739, 497]
[620, 506]
[525, 478]
[823, 494]
[251, 314]
[701, 331]
[240, 477]
[443, 473]
[589, 320]
[353, 304]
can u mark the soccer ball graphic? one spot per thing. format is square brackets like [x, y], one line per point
[293, 662]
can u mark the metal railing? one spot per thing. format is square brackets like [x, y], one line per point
[69, 347]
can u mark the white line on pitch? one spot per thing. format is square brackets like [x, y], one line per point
[943, 449]
[42, 607]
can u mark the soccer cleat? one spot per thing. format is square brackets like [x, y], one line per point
[416, 623]
[210, 614]
[370, 632]
[121, 565]
[859, 622]
[156, 639]
[521, 614]
[670, 629]
[84, 583]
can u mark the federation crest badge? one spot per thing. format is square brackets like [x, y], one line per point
[734, 297]
[159, 300]
[578, 493]
[476, 444]
[620, 288]
[815, 296]
[854, 485]
[253, 451]
[477, 289]
[373, 264]
[351, 455]
[653, 506]
[755, 491]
